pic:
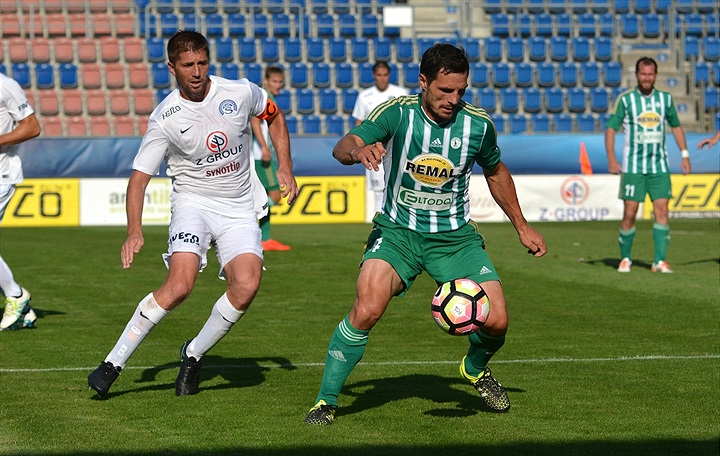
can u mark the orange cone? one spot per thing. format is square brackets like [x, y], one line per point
[585, 166]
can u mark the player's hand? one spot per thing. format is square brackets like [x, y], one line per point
[288, 186]
[370, 156]
[266, 156]
[533, 240]
[614, 167]
[685, 166]
[132, 246]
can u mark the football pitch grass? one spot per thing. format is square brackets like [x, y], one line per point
[595, 363]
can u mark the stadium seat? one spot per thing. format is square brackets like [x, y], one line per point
[500, 75]
[49, 102]
[335, 125]
[55, 25]
[518, 124]
[328, 101]
[161, 78]
[132, 47]
[711, 48]
[629, 26]
[577, 100]
[515, 49]
[299, 75]
[270, 49]
[543, 25]
[236, 25]
[160, 94]
[622, 6]
[500, 25]
[337, 48]
[344, 75]
[91, 76]
[321, 75]
[586, 25]
[292, 124]
[143, 102]
[568, 74]
[411, 74]
[537, 48]
[123, 125]
[693, 24]
[281, 25]
[214, 24]
[523, 75]
[76, 126]
[348, 97]
[210, 6]
[590, 74]
[712, 99]
[18, 50]
[472, 48]
[487, 99]
[155, 49]
[540, 123]
[10, 23]
[563, 123]
[347, 26]
[493, 49]
[100, 126]
[479, 74]
[715, 74]
[382, 49]
[72, 102]
[493, 6]
[169, 24]
[254, 72]
[325, 25]
[370, 26]
[580, 49]
[247, 50]
[558, 49]
[532, 100]
[705, 6]
[404, 50]
[469, 96]
[365, 71]
[586, 123]
[499, 122]
[545, 74]
[119, 102]
[51, 126]
[523, 25]
[509, 100]
[164, 6]
[691, 48]
[603, 49]
[282, 99]
[40, 50]
[341, 6]
[360, 49]
[311, 125]
[423, 44]
[651, 25]
[554, 100]
[612, 74]
[260, 28]
[315, 49]
[44, 76]
[599, 100]
[109, 49]
[224, 49]
[68, 75]
[230, 70]
[64, 52]
[292, 50]
[606, 25]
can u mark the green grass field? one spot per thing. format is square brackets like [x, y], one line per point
[596, 362]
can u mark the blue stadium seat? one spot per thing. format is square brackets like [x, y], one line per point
[500, 74]
[564, 25]
[493, 49]
[509, 100]
[382, 49]
[643, 6]
[395, 73]
[702, 74]
[315, 49]
[311, 125]
[302, 22]
[603, 47]
[500, 25]
[523, 74]
[606, 25]
[364, 6]
[535, 6]
[305, 101]
[404, 50]
[537, 48]
[590, 74]
[169, 24]
[213, 25]
[253, 72]
[580, 49]
[602, 120]
[479, 74]
[651, 25]
[160, 75]
[568, 74]
[186, 6]
[469, 96]
[586, 123]
[715, 74]
[493, 6]
[514, 49]
[282, 100]
[337, 49]
[224, 49]
[359, 49]
[411, 73]
[44, 76]
[280, 25]
[554, 100]
[711, 48]
[321, 75]
[344, 75]
[236, 25]
[369, 25]
[231, 6]
[513, 6]
[599, 100]
[487, 99]
[545, 74]
[366, 75]
[523, 26]
[68, 75]
[298, 75]
[348, 25]
[230, 70]
[540, 123]
[21, 73]
[422, 45]
[622, 6]
[190, 21]
[246, 49]
[691, 48]
[563, 123]
[532, 100]
[706, 6]
[292, 50]
[274, 6]
[661, 6]
[577, 100]
[472, 48]
[325, 25]
[558, 49]
[499, 122]
[319, 6]
[260, 25]
[693, 24]
[348, 97]
[147, 24]
[341, 6]
[712, 99]
[155, 49]
[212, 69]
[335, 125]
[328, 101]
[600, 6]
[518, 124]
[160, 94]
[164, 6]
[544, 25]
[612, 74]
[3, 69]
[209, 6]
[629, 26]
[586, 25]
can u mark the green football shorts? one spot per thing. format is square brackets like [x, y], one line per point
[267, 174]
[633, 187]
[445, 256]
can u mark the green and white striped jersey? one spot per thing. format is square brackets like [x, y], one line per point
[642, 119]
[428, 165]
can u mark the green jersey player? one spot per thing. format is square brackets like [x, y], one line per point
[428, 144]
[642, 112]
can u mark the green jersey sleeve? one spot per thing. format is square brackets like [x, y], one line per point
[671, 113]
[381, 124]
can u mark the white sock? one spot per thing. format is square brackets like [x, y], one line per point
[147, 314]
[222, 317]
[8, 284]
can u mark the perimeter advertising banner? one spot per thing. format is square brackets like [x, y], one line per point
[44, 202]
[694, 196]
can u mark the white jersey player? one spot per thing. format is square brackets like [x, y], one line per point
[366, 101]
[202, 131]
[17, 124]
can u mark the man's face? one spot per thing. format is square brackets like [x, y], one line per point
[382, 78]
[441, 97]
[274, 83]
[191, 73]
[646, 75]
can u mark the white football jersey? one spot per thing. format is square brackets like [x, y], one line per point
[14, 107]
[207, 147]
[369, 98]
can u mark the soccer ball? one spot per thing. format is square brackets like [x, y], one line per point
[460, 307]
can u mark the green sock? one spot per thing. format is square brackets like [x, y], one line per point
[661, 236]
[346, 348]
[482, 348]
[265, 227]
[625, 239]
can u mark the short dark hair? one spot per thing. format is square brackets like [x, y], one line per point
[645, 61]
[186, 40]
[273, 69]
[446, 58]
[381, 64]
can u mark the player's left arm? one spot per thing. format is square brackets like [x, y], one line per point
[277, 127]
[679, 135]
[25, 129]
[502, 189]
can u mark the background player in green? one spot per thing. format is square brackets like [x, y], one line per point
[642, 113]
[428, 144]
[265, 158]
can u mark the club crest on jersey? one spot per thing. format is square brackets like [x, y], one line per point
[432, 170]
[455, 143]
[216, 141]
[649, 120]
[227, 107]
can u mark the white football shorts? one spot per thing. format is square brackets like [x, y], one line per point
[6, 193]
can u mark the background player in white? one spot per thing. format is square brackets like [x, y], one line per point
[202, 129]
[17, 124]
[368, 100]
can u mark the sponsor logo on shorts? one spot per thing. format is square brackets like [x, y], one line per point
[426, 201]
[188, 238]
[432, 170]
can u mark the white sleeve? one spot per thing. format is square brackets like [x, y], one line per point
[15, 100]
[359, 111]
[153, 148]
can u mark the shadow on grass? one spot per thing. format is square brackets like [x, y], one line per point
[614, 262]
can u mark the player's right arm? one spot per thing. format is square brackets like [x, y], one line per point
[134, 208]
[613, 163]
